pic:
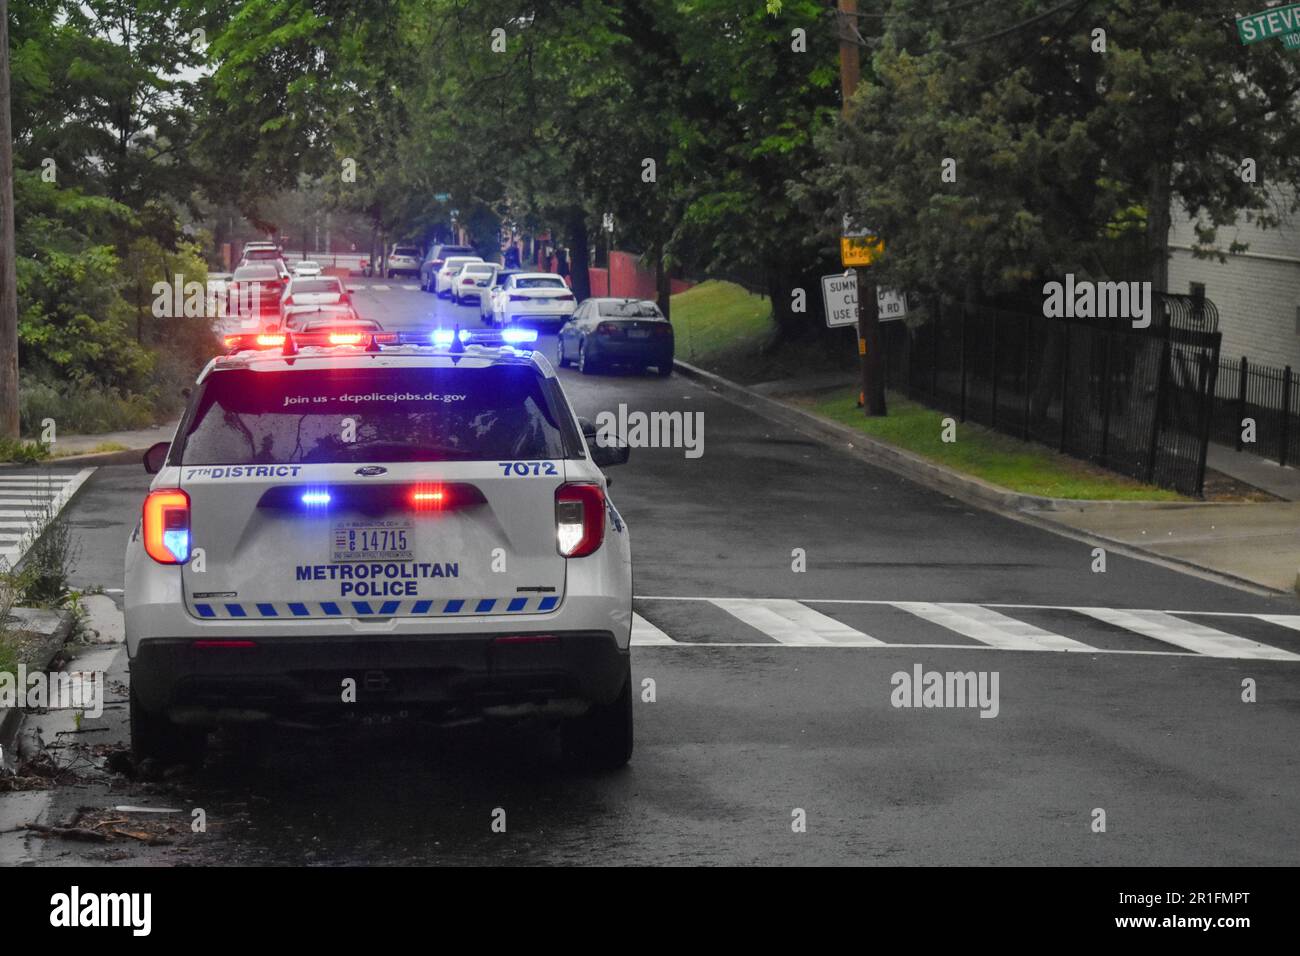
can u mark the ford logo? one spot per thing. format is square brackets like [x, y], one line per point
[369, 471]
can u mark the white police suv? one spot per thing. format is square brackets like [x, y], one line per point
[419, 527]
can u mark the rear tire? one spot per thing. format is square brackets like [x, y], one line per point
[664, 370]
[155, 736]
[601, 739]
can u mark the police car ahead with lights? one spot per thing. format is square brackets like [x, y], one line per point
[419, 526]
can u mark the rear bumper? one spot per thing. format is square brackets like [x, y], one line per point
[642, 352]
[446, 675]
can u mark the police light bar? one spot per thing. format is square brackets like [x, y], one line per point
[488, 338]
[262, 341]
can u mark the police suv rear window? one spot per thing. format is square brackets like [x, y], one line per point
[372, 414]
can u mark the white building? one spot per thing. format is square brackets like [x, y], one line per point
[1257, 291]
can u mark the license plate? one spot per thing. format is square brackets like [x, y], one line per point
[384, 540]
[638, 334]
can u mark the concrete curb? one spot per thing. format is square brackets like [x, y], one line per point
[908, 464]
[11, 717]
[125, 456]
[1033, 509]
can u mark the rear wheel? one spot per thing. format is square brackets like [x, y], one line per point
[601, 739]
[664, 370]
[153, 736]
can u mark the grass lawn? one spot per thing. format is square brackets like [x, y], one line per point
[997, 458]
[719, 317]
[721, 327]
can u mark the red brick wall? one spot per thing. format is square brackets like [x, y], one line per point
[629, 279]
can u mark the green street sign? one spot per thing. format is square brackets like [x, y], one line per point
[442, 197]
[1291, 41]
[1278, 21]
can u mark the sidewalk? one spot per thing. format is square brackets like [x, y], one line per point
[1254, 543]
[135, 440]
[1253, 470]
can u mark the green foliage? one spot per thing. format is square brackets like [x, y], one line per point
[43, 577]
[1060, 151]
[81, 409]
[22, 452]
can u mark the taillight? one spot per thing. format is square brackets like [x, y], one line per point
[662, 328]
[610, 328]
[579, 519]
[166, 526]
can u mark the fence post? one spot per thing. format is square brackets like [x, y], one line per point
[1105, 399]
[1286, 416]
[934, 364]
[1065, 384]
[1209, 382]
[965, 320]
[993, 416]
[1241, 402]
[1028, 339]
[1162, 379]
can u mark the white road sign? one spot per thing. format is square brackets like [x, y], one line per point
[893, 304]
[840, 293]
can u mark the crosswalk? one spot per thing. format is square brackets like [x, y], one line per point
[739, 622]
[385, 287]
[26, 499]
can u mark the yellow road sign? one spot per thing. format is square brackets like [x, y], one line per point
[860, 250]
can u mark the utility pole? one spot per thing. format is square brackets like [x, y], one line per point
[872, 396]
[608, 223]
[8, 271]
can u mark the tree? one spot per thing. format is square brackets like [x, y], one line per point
[1055, 147]
[8, 276]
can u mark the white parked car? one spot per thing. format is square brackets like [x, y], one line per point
[342, 578]
[473, 281]
[403, 261]
[313, 291]
[306, 267]
[448, 270]
[533, 297]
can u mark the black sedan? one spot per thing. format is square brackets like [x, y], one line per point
[608, 332]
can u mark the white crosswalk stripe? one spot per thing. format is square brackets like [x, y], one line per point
[643, 632]
[990, 627]
[757, 622]
[791, 622]
[25, 500]
[1282, 620]
[1188, 634]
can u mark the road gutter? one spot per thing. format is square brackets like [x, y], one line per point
[1029, 509]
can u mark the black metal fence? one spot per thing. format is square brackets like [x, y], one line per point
[1266, 395]
[1137, 401]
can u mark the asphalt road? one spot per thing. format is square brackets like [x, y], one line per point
[1118, 691]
